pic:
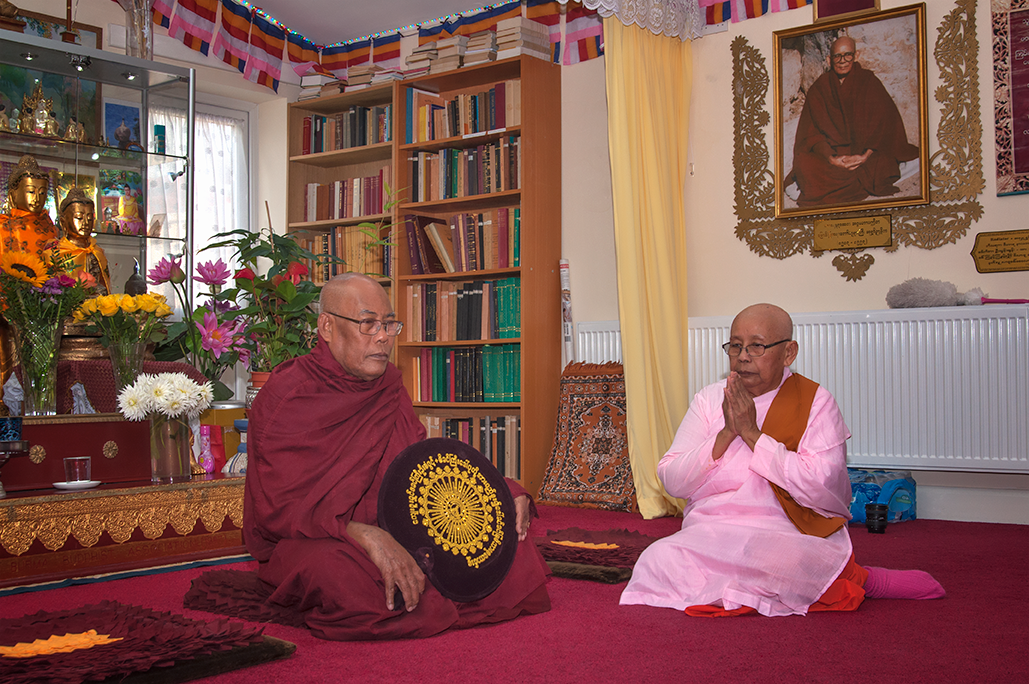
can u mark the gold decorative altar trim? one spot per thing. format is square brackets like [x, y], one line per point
[85, 516]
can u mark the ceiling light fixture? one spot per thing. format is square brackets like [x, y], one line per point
[29, 56]
[129, 76]
[80, 62]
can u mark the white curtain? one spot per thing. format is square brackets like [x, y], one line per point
[220, 185]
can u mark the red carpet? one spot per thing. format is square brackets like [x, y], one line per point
[976, 634]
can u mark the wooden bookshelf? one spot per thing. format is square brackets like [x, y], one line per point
[342, 161]
[538, 198]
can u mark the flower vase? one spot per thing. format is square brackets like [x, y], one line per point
[257, 380]
[170, 449]
[37, 343]
[126, 363]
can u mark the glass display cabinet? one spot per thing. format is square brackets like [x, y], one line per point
[119, 128]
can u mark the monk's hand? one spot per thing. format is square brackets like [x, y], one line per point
[740, 406]
[850, 162]
[397, 567]
[522, 516]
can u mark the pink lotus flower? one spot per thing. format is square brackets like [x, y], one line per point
[212, 273]
[167, 270]
[215, 338]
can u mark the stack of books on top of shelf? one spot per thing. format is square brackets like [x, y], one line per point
[420, 60]
[387, 74]
[449, 54]
[360, 75]
[317, 85]
[482, 47]
[522, 36]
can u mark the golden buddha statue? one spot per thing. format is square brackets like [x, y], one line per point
[24, 224]
[26, 227]
[78, 217]
[75, 132]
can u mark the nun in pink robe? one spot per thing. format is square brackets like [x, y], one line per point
[736, 546]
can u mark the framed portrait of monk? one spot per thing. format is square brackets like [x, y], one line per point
[851, 128]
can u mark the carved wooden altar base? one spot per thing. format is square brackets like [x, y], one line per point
[56, 535]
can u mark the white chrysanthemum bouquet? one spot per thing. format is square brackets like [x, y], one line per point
[168, 395]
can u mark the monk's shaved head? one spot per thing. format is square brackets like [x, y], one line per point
[348, 302]
[774, 319]
[843, 44]
[334, 291]
[842, 56]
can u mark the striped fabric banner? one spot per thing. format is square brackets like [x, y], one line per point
[267, 43]
[485, 20]
[162, 12]
[334, 60]
[232, 44]
[548, 13]
[741, 10]
[584, 35]
[304, 56]
[193, 23]
[386, 50]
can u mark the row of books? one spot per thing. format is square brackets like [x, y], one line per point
[522, 36]
[429, 116]
[445, 311]
[314, 85]
[479, 241]
[464, 172]
[498, 438]
[343, 249]
[356, 127]
[487, 374]
[348, 197]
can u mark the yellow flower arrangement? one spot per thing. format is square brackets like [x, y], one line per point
[125, 319]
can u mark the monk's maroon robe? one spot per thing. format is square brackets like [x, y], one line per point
[319, 443]
[843, 119]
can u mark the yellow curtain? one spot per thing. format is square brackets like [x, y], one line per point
[648, 94]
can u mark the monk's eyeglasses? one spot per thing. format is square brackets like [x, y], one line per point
[843, 57]
[753, 350]
[371, 326]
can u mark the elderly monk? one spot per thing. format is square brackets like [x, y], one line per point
[78, 216]
[762, 459]
[850, 137]
[323, 431]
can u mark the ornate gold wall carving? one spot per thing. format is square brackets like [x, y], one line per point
[956, 175]
[87, 515]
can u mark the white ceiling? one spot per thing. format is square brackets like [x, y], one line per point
[335, 21]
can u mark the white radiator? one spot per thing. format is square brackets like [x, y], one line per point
[924, 389]
[599, 342]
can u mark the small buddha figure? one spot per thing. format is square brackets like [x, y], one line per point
[15, 121]
[128, 218]
[51, 128]
[78, 216]
[24, 224]
[75, 132]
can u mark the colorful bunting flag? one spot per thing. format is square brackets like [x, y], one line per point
[162, 12]
[386, 50]
[193, 23]
[548, 13]
[584, 35]
[267, 43]
[303, 55]
[741, 10]
[232, 45]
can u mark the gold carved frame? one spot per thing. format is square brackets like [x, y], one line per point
[955, 169]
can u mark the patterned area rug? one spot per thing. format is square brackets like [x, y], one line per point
[112, 641]
[589, 465]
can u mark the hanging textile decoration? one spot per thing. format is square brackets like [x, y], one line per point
[334, 60]
[386, 51]
[162, 12]
[232, 45]
[584, 35]
[267, 43]
[548, 13]
[741, 10]
[303, 55]
[193, 23]
[485, 20]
